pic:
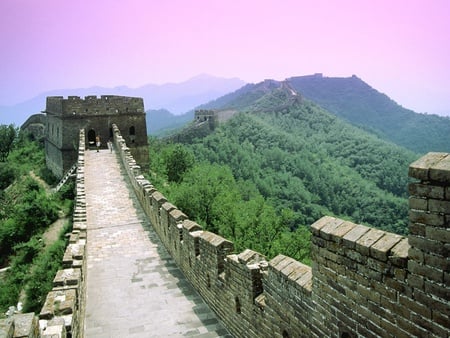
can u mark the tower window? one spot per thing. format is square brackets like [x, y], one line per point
[132, 132]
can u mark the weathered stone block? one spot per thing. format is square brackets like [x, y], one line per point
[67, 277]
[420, 216]
[417, 229]
[426, 271]
[382, 248]
[59, 302]
[438, 234]
[426, 190]
[327, 230]
[417, 203]
[416, 255]
[399, 253]
[341, 230]
[55, 328]
[364, 243]
[429, 246]
[26, 325]
[439, 206]
[6, 328]
[416, 281]
[420, 169]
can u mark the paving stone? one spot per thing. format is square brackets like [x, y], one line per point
[133, 287]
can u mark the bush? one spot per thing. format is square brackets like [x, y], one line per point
[67, 191]
[48, 176]
[45, 266]
[6, 175]
[26, 252]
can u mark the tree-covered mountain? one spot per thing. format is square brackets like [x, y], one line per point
[357, 102]
[291, 155]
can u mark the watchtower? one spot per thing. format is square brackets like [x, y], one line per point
[65, 118]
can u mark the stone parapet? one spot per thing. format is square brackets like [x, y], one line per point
[363, 282]
[63, 312]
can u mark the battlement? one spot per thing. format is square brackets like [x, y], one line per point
[363, 282]
[93, 105]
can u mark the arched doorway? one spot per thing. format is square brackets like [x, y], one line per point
[91, 138]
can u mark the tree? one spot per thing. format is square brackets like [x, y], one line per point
[178, 160]
[7, 136]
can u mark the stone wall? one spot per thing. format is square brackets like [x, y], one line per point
[65, 117]
[363, 282]
[63, 312]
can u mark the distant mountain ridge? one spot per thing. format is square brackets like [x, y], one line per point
[356, 102]
[178, 98]
[360, 104]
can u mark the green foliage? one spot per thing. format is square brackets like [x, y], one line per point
[309, 161]
[7, 136]
[26, 156]
[263, 177]
[177, 161]
[7, 175]
[25, 212]
[26, 252]
[30, 211]
[48, 176]
[67, 191]
[210, 195]
[39, 283]
[361, 105]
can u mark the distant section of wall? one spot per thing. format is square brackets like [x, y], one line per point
[363, 282]
[35, 126]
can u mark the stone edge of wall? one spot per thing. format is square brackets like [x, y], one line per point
[63, 311]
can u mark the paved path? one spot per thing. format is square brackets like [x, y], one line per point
[134, 288]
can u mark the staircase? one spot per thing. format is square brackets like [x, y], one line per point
[70, 173]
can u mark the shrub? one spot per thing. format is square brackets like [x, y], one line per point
[6, 175]
[48, 176]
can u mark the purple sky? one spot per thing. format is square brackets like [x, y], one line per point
[401, 48]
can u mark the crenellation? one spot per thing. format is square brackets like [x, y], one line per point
[362, 282]
[421, 168]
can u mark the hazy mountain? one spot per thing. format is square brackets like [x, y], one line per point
[178, 98]
[161, 122]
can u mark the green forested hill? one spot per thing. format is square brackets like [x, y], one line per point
[307, 159]
[265, 175]
[357, 102]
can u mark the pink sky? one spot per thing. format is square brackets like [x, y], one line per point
[401, 48]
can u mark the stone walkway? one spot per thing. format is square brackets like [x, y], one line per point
[134, 288]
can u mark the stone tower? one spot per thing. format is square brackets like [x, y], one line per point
[65, 118]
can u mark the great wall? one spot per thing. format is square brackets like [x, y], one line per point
[363, 282]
